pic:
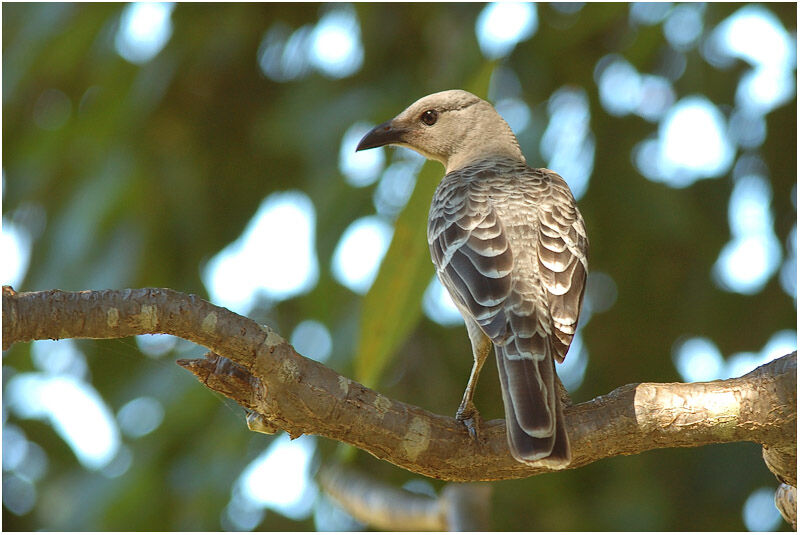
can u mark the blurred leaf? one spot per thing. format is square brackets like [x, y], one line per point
[392, 308]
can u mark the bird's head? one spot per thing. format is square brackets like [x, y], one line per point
[454, 127]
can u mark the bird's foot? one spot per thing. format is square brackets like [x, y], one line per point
[469, 416]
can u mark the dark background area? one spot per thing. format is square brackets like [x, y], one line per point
[158, 166]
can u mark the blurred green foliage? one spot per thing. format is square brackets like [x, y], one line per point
[158, 166]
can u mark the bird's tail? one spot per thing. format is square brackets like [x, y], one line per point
[534, 417]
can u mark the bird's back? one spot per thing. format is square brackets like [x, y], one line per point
[545, 235]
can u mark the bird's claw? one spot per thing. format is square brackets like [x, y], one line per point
[471, 419]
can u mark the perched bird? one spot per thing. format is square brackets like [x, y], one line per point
[510, 246]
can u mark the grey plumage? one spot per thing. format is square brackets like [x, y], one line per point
[510, 246]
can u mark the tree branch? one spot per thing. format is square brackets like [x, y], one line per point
[459, 507]
[262, 372]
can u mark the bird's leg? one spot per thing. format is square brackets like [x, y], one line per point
[467, 413]
[467, 407]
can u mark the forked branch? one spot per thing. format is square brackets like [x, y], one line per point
[258, 369]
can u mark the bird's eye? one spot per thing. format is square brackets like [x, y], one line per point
[429, 117]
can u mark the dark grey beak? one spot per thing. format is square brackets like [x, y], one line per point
[381, 135]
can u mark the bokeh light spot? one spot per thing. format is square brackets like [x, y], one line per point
[15, 447]
[501, 25]
[755, 35]
[397, 184]
[619, 85]
[648, 13]
[59, 357]
[765, 88]
[759, 512]
[684, 25]
[656, 97]
[360, 251]
[336, 48]
[515, 112]
[573, 370]
[568, 144]
[359, 168]
[280, 477]
[313, 340]
[282, 54]
[438, 305]
[601, 292]
[504, 83]
[698, 359]
[753, 255]
[623, 90]
[140, 416]
[741, 363]
[74, 409]
[19, 494]
[120, 464]
[156, 345]
[745, 264]
[34, 465]
[241, 515]
[567, 8]
[15, 253]
[781, 343]
[274, 255]
[694, 138]
[747, 129]
[692, 144]
[145, 27]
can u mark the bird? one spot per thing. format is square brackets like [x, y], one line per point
[510, 246]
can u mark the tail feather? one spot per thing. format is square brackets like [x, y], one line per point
[528, 388]
[534, 416]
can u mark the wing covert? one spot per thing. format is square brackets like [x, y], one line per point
[472, 256]
[562, 249]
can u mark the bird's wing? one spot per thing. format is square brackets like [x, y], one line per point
[562, 250]
[471, 252]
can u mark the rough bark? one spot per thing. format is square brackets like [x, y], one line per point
[257, 368]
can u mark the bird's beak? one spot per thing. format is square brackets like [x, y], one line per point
[381, 135]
